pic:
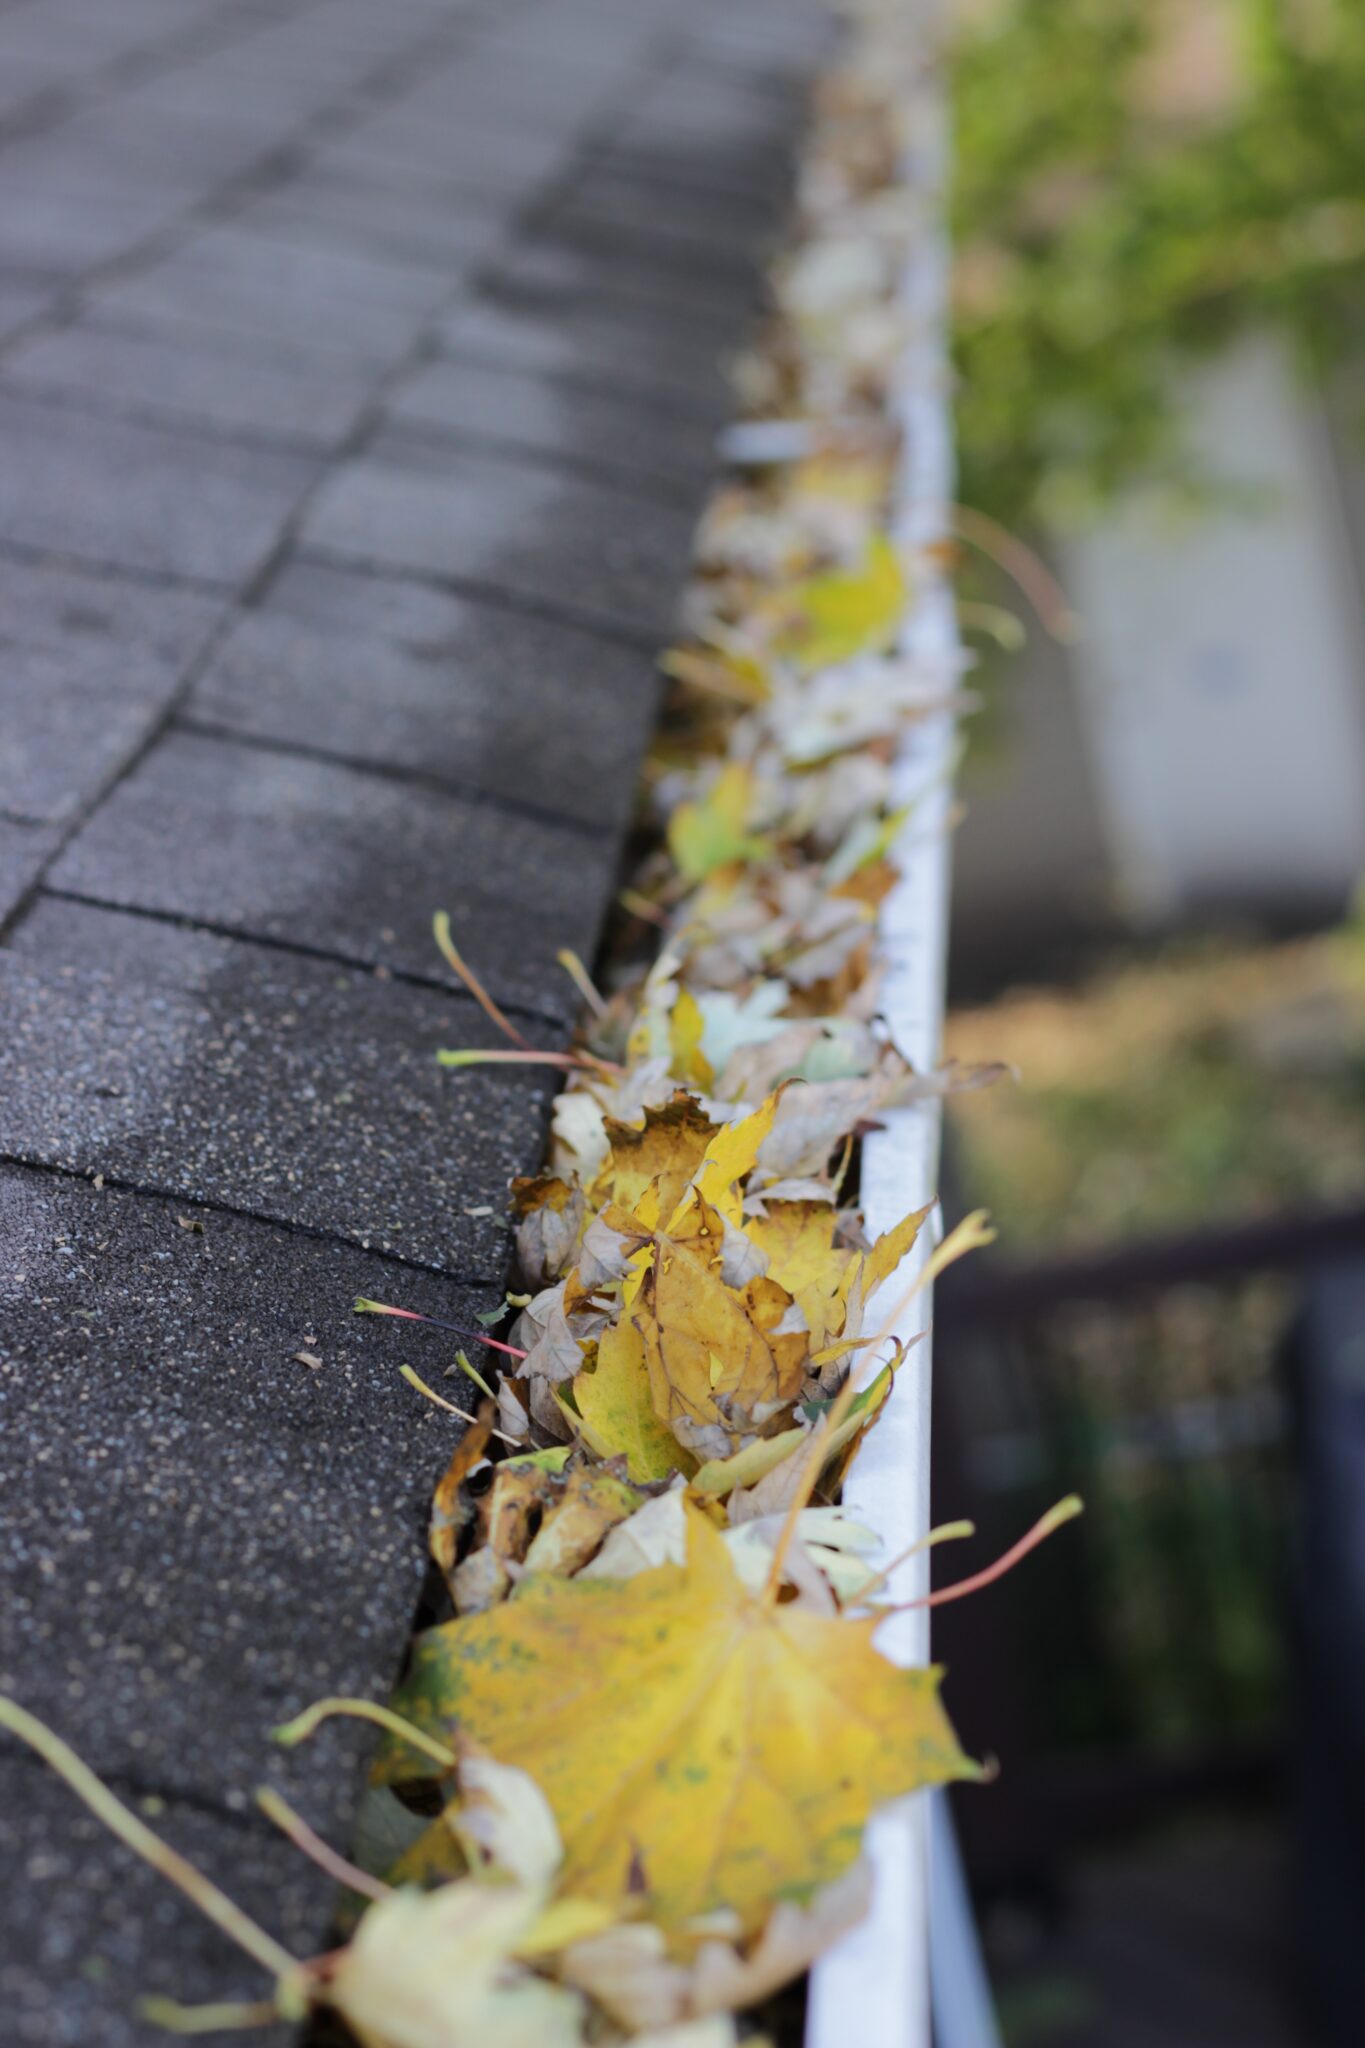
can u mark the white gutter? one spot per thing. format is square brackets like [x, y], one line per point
[872, 1989]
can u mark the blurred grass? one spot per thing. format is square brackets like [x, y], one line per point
[1213, 1081]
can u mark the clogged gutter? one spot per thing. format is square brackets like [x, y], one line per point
[622, 1792]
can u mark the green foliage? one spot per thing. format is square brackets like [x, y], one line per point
[1109, 229]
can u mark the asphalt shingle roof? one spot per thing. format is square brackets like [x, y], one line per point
[358, 364]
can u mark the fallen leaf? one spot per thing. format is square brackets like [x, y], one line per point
[718, 1357]
[593, 1501]
[614, 1409]
[836, 1546]
[551, 1341]
[632, 1973]
[720, 1750]
[436, 1970]
[723, 1978]
[450, 1513]
[829, 618]
[666, 1147]
[655, 1534]
[503, 1822]
[713, 831]
[550, 1215]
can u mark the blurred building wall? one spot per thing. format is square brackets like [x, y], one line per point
[1202, 748]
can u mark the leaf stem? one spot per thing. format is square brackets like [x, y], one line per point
[1023, 566]
[440, 929]
[365, 1307]
[814, 1459]
[290, 1733]
[1065, 1511]
[581, 979]
[947, 1532]
[137, 1836]
[414, 1380]
[970, 1235]
[292, 1823]
[207, 2019]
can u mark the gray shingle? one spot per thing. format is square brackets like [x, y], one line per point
[593, 348]
[288, 1088]
[330, 301]
[87, 666]
[90, 1929]
[197, 380]
[190, 1486]
[138, 496]
[53, 231]
[608, 436]
[413, 678]
[341, 205]
[23, 851]
[276, 846]
[557, 540]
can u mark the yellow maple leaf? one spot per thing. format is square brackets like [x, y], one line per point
[867, 1271]
[692, 1737]
[614, 1410]
[705, 1340]
[797, 1239]
[668, 1145]
[729, 1156]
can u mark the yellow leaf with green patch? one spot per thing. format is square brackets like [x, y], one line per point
[697, 1744]
[843, 612]
[712, 831]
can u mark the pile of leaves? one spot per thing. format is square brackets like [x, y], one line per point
[623, 1787]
